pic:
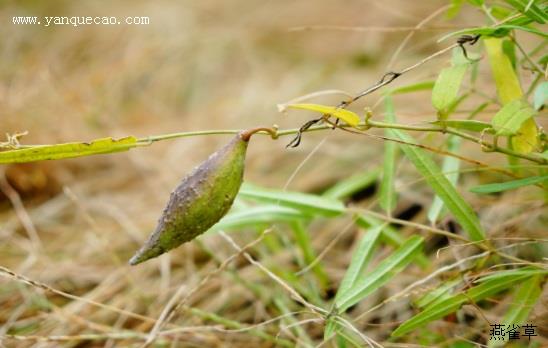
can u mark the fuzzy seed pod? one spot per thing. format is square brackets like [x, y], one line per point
[202, 199]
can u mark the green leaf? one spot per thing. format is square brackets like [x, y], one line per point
[476, 2]
[415, 87]
[440, 309]
[522, 303]
[346, 115]
[540, 96]
[347, 187]
[450, 167]
[360, 259]
[460, 209]
[454, 10]
[447, 88]
[509, 119]
[251, 217]
[302, 237]
[388, 268]
[530, 9]
[469, 125]
[439, 294]
[388, 195]
[311, 204]
[528, 271]
[509, 185]
[68, 150]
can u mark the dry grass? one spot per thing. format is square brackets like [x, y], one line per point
[67, 228]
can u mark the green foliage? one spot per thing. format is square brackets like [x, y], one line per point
[450, 168]
[460, 209]
[447, 86]
[440, 309]
[385, 270]
[388, 195]
[509, 185]
[509, 119]
[530, 9]
[68, 150]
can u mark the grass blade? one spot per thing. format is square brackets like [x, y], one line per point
[450, 167]
[309, 255]
[415, 87]
[387, 193]
[509, 185]
[438, 310]
[251, 217]
[460, 209]
[360, 259]
[522, 303]
[347, 187]
[388, 268]
[312, 204]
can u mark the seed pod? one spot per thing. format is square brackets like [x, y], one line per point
[202, 199]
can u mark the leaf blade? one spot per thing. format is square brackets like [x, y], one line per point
[460, 209]
[389, 267]
[68, 150]
[508, 185]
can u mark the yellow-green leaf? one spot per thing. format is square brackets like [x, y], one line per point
[527, 139]
[346, 115]
[507, 83]
[510, 118]
[67, 150]
[509, 89]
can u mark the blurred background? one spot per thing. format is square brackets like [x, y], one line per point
[198, 65]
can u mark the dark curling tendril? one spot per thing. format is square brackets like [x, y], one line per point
[385, 80]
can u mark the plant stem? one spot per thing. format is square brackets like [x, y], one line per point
[369, 124]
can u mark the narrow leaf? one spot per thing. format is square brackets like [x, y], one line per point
[522, 303]
[530, 9]
[508, 120]
[360, 259]
[346, 115]
[347, 187]
[309, 203]
[460, 209]
[438, 310]
[388, 196]
[450, 167]
[509, 185]
[251, 217]
[437, 295]
[415, 87]
[68, 150]
[388, 268]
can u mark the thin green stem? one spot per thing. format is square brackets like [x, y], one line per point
[369, 124]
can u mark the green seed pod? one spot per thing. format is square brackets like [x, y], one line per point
[202, 199]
